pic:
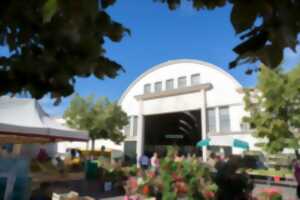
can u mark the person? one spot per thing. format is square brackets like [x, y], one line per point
[178, 157]
[219, 163]
[296, 167]
[102, 158]
[42, 155]
[73, 153]
[212, 160]
[231, 184]
[144, 161]
[155, 162]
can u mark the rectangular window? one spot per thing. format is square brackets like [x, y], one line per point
[158, 86]
[170, 84]
[182, 82]
[135, 125]
[127, 128]
[245, 126]
[224, 118]
[211, 120]
[195, 79]
[147, 88]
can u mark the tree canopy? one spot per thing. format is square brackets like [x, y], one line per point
[265, 27]
[53, 41]
[274, 108]
[101, 118]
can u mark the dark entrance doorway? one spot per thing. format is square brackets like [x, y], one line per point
[182, 129]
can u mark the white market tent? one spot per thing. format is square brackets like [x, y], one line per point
[24, 121]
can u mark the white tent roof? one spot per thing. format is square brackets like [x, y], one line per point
[25, 120]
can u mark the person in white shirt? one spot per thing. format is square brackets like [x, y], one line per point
[155, 162]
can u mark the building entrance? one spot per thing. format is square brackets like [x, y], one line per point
[182, 129]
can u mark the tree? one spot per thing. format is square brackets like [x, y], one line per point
[266, 27]
[53, 41]
[101, 118]
[274, 108]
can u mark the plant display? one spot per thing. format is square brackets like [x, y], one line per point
[187, 179]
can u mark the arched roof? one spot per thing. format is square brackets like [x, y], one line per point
[177, 61]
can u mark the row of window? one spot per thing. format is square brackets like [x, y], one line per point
[169, 84]
[221, 114]
[223, 117]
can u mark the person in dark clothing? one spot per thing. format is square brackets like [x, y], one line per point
[233, 185]
[144, 162]
[296, 170]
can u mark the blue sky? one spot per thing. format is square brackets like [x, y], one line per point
[159, 35]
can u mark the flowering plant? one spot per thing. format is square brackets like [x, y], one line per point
[176, 180]
[270, 194]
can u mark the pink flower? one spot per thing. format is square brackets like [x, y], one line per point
[271, 191]
[209, 195]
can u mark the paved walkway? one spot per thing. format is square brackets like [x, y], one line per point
[289, 193]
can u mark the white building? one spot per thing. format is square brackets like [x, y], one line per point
[181, 102]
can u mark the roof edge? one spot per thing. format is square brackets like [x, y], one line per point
[176, 61]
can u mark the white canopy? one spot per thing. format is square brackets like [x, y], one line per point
[24, 121]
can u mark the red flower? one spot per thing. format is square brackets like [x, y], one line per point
[181, 187]
[271, 191]
[146, 190]
[133, 183]
[151, 174]
[209, 195]
[176, 177]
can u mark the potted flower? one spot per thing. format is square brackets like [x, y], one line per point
[270, 194]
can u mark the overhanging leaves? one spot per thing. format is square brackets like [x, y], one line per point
[265, 27]
[52, 42]
[49, 9]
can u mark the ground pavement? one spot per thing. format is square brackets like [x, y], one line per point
[289, 193]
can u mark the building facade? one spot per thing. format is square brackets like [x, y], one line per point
[180, 102]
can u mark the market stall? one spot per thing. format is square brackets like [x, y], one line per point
[23, 121]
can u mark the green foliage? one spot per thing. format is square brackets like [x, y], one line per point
[265, 27]
[53, 41]
[274, 108]
[101, 118]
[49, 9]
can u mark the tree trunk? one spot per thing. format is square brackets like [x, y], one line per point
[92, 149]
[93, 145]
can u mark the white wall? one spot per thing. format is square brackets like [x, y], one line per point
[237, 113]
[224, 90]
